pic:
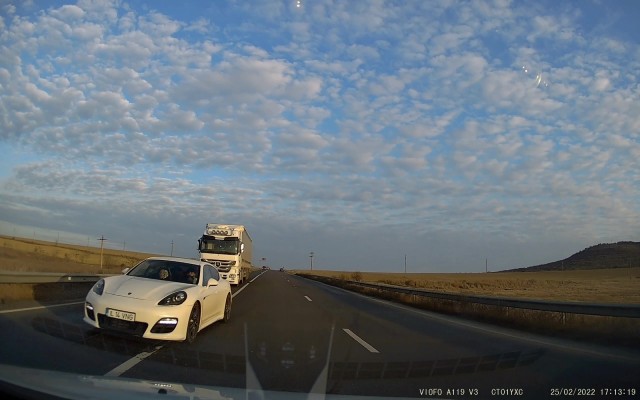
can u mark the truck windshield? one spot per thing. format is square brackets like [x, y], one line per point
[211, 245]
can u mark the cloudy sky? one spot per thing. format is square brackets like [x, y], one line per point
[449, 132]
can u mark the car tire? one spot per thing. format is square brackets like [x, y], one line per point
[227, 309]
[194, 323]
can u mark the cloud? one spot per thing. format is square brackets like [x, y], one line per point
[384, 117]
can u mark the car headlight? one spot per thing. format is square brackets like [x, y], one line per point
[98, 288]
[174, 299]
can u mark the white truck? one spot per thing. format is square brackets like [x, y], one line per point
[229, 249]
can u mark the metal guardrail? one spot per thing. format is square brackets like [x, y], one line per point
[45, 277]
[607, 310]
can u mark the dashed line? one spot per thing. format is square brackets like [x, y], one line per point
[130, 363]
[361, 341]
[308, 299]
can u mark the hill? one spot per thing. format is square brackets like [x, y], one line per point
[600, 256]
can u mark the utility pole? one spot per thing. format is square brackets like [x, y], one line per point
[101, 239]
[405, 263]
[486, 265]
[172, 248]
[311, 258]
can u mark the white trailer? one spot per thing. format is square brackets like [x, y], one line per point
[229, 249]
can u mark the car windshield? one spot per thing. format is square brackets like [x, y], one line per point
[386, 198]
[167, 271]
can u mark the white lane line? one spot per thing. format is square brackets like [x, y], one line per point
[40, 307]
[540, 340]
[361, 341]
[130, 363]
[247, 284]
[307, 297]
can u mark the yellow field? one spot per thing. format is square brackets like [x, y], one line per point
[19, 254]
[618, 285]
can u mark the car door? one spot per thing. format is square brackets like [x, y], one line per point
[220, 294]
[210, 306]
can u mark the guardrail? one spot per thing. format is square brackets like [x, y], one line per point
[606, 310]
[45, 277]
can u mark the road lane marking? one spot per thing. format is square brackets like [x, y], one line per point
[130, 363]
[307, 297]
[40, 307]
[495, 330]
[361, 341]
[247, 284]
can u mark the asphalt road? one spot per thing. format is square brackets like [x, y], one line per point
[290, 334]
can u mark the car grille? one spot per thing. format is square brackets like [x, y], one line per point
[130, 327]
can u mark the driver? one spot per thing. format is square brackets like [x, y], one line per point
[192, 277]
[164, 274]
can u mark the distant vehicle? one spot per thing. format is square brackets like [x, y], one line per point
[281, 269]
[264, 268]
[166, 298]
[228, 248]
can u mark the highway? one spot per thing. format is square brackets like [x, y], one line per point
[290, 334]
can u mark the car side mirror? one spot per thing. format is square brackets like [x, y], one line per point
[124, 271]
[212, 282]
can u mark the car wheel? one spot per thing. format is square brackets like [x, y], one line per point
[227, 309]
[194, 323]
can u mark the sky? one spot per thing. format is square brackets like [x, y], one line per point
[460, 135]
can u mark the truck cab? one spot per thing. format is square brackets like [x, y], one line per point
[228, 248]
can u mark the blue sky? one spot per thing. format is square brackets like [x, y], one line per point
[364, 131]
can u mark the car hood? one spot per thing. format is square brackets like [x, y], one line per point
[37, 383]
[141, 288]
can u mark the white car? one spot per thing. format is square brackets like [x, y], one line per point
[165, 298]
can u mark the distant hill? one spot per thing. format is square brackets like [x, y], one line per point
[604, 255]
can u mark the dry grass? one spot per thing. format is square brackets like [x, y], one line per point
[616, 285]
[18, 254]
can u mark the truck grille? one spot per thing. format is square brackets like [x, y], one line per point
[222, 266]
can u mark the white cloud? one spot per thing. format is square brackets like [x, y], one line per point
[342, 113]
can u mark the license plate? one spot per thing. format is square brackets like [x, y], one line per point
[127, 316]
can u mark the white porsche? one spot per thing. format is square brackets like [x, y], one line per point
[165, 298]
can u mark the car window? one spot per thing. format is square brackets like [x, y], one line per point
[215, 274]
[207, 273]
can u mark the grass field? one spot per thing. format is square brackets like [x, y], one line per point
[616, 285]
[19, 254]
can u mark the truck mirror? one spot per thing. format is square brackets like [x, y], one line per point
[241, 247]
